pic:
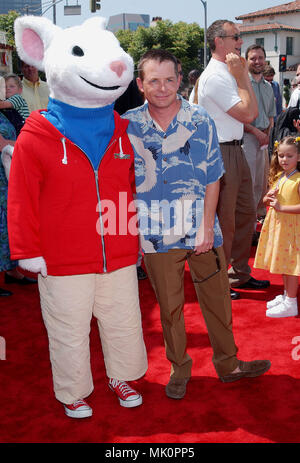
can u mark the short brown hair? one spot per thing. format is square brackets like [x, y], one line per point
[216, 30]
[255, 46]
[269, 71]
[156, 54]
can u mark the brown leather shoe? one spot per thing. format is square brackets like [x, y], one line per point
[248, 370]
[176, 387]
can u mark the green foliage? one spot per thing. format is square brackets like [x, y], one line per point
[7, 25]
[182, 39]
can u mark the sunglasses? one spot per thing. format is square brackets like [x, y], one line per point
[235, 37]
[215, 272]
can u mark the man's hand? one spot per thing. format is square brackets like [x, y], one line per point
[237, 66]
[296, 124]
[246, 110]
[262, 137]
[204, 240]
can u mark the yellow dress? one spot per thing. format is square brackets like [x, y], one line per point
[278, 248]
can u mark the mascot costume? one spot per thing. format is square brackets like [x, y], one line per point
[71, 173]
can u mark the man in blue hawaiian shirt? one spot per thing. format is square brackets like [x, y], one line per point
[178, 165]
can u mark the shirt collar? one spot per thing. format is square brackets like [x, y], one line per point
[31, 84]
[261, 81]
[183, 116]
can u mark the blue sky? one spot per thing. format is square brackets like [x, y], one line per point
[175, 10]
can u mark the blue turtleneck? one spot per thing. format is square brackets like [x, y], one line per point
[89, 128]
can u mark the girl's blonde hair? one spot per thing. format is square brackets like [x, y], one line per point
[195, 100]
[274, 166]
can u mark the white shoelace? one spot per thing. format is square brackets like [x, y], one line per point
[79, 402]
[123, 386]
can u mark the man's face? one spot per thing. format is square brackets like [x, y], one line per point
[256, 61]
[160, 83]
[231, 42]
[269, 78]
[30, 72]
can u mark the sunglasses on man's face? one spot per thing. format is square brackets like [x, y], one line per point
[235, 37]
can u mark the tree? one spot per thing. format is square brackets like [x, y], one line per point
[182, 39]
[7, 25]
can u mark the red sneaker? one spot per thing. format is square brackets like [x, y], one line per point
[78, 409]
[127, 396]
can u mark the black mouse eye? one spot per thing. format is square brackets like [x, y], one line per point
[77, 51]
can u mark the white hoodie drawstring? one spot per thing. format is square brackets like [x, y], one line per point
[120, 146]
[65, 159]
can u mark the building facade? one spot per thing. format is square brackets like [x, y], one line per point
[21, 6]
[128, 21]
[5, 55]
[277, 29]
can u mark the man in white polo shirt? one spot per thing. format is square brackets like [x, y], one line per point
[295, 97]
[225, 91]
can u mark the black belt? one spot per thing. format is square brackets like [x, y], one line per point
[232, 142]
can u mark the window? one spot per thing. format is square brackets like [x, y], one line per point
[289, 45]
[260, 41]
[132, 26]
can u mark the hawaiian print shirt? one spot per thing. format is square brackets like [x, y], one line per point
[172, 170]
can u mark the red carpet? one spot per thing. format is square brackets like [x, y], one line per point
[262, 410]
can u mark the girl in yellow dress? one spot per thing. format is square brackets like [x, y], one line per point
[279, 245]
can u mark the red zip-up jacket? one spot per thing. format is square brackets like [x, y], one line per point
[58, 204]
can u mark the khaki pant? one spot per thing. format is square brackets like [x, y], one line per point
[166, 273]
[258, 163]
[236, 213]
[68, 304]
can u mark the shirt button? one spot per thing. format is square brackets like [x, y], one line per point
[165, 159]
[165, 181]
[165, 135]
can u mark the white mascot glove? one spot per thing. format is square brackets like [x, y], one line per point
[6, 157]
[34, 265]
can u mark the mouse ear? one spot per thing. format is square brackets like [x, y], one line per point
[99, 22]
[33, 36]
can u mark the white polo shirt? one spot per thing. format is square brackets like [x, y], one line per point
[294, 98]
[217, 93]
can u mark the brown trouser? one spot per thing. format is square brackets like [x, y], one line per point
[236, 213]
[166, 273]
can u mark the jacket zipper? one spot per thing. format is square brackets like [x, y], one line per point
[99, 199]
[101, 221]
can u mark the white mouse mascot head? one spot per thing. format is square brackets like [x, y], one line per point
[84, 65]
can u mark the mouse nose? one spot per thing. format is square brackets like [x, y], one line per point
[118, 67]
